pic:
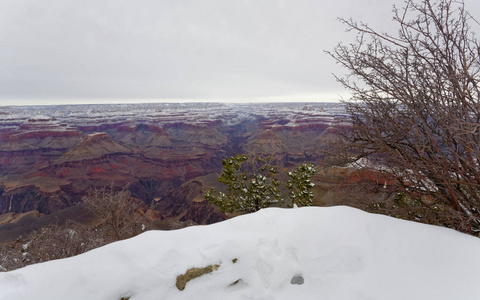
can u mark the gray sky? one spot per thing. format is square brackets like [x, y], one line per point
[92, 51]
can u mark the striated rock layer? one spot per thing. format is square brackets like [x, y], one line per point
[51, 155]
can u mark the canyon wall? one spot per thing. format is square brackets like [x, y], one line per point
[165, 154]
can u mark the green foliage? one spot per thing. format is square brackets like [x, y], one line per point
[300, 185]
[251, 184]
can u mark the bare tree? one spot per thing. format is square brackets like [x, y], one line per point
[50, 242]
[119, 213]
[415, 103]
[119, 217]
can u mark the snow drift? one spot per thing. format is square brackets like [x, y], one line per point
[305, 253]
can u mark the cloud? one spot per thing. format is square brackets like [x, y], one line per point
[173, 48]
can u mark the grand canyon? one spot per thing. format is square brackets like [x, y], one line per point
[166, 155]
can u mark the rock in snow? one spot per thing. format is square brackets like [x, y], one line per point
[305, 253]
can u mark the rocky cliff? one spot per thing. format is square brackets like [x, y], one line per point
[50, 156]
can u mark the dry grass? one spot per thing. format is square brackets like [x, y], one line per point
[193, 273]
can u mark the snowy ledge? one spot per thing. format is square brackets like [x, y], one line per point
[306, 253]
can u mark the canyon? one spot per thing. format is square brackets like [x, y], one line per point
[166, 154]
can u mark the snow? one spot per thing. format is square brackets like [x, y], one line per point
[97, 134]
[302, 253]
[164, 113]
[40, 117]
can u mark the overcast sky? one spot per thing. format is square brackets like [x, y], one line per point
[92, 51]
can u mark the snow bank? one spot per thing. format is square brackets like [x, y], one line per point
[337, 253]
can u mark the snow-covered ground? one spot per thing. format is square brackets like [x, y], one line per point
[340, 252]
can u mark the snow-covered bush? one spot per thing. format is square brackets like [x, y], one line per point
[252, 184]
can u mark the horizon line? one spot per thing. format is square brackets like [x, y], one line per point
[325, 98]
